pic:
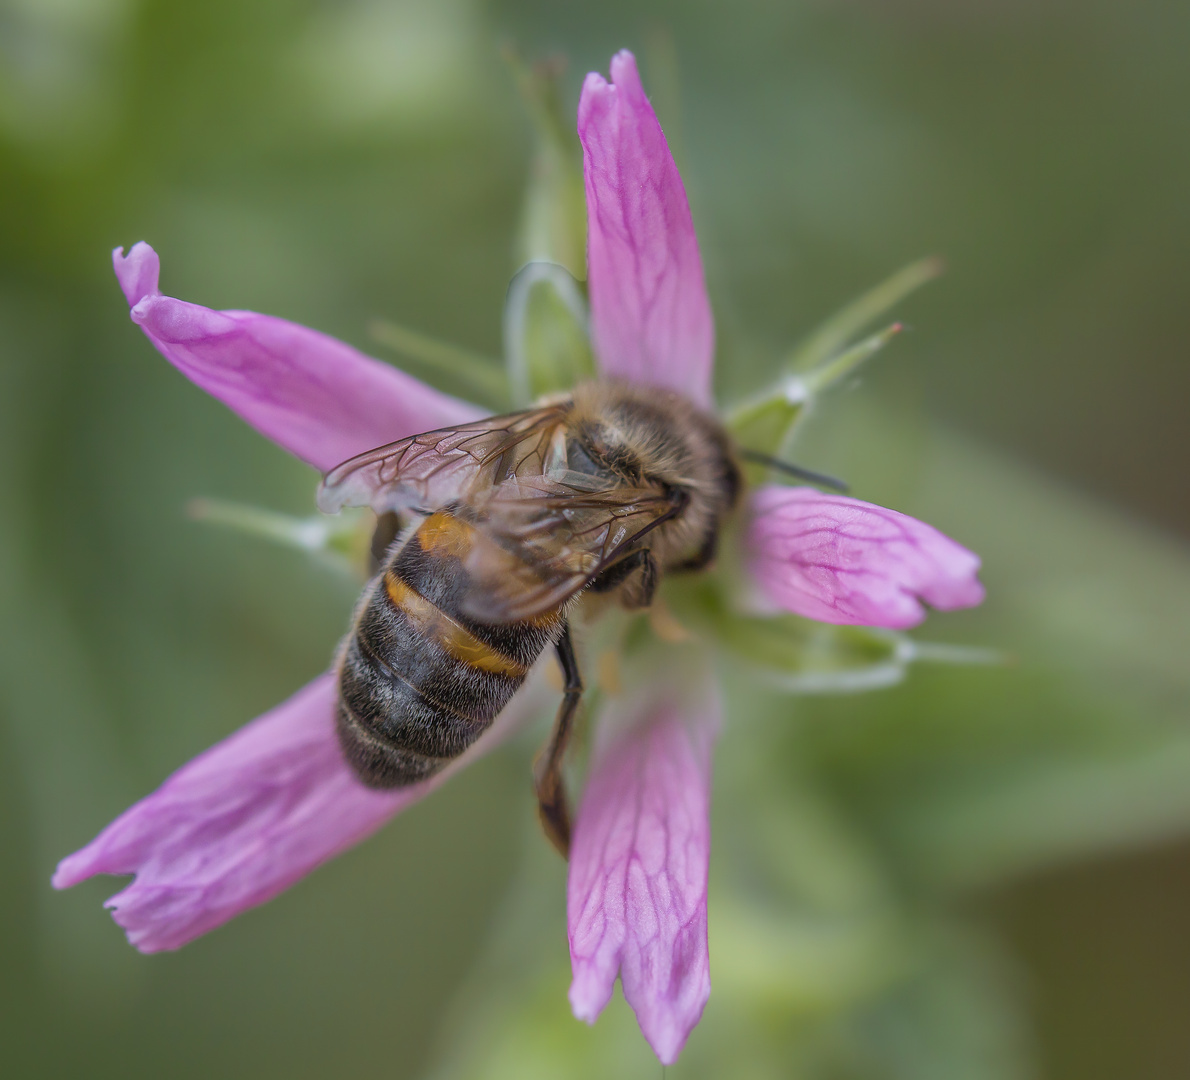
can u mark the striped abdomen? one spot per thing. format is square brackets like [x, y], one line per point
[420, 681]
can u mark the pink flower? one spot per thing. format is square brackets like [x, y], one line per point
[650, 314]
[637, 894]
[236, 825]
[320, 399]
[264, 807]
[840, 560]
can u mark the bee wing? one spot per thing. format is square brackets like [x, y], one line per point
[438, 467]
[542, 539]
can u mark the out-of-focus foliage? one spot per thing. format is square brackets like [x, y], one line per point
[546, 340]
[344, 163]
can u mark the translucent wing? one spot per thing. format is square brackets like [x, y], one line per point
[541, 540]
[439, 467]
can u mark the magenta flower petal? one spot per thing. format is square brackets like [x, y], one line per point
[637, 891]
[318, 398]
[840, 560]
[650, 316]
[237, 825]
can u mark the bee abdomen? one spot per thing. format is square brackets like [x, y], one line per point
[419, 683]
[432, 564]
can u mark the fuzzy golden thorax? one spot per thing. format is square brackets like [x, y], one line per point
[650, 436]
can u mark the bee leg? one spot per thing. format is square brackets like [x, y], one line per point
[551, 788]
[702, 558]
[634, 594]
[388, 528]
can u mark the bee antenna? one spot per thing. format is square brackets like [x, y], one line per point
[821, 479]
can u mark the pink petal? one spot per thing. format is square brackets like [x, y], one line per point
[840, 560]
[637, 892]
[650, 315]
[318, 398]
[237, 825]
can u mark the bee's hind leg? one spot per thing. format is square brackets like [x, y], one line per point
[552, 806]
[384, 535]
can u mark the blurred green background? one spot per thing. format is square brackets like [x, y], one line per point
[978, 873]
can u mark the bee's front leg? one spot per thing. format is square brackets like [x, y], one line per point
[635, 576]
[702, 558]
[552, 805]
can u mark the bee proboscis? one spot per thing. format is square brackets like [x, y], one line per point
[602, 491]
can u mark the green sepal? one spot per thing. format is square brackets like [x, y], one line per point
[832, 336]
[546, 342]
[554, 216]
[477, 377]
[770, 424]
[765, 423]
[342, 541]
[803, 656]
[840, 366]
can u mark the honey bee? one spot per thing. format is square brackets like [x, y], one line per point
[601, 491]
